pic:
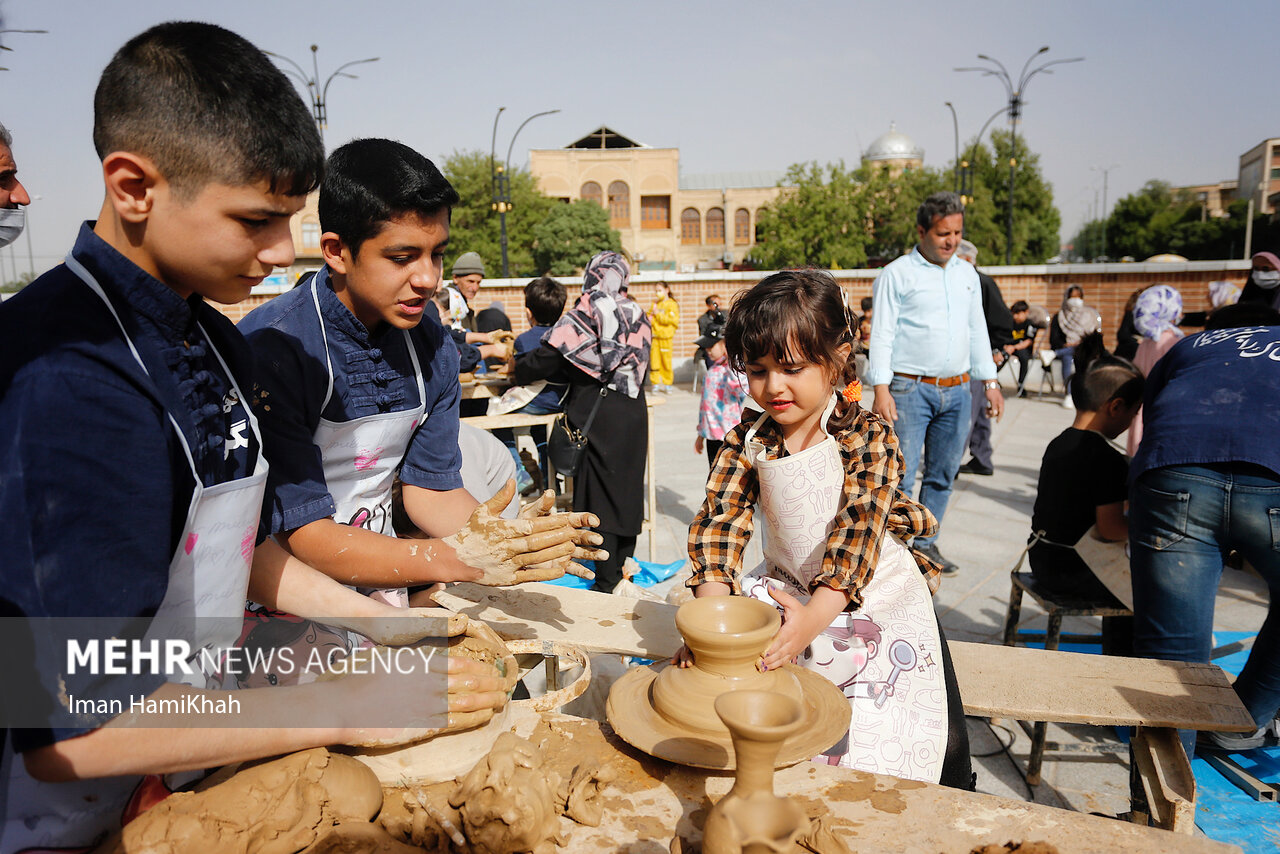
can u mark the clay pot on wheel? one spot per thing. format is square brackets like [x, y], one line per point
[727, 636]
[751, 819]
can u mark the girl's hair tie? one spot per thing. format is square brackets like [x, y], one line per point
[852, 393]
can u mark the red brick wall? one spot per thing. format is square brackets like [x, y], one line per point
[1106, 288]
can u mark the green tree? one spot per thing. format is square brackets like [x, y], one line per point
[15, 285]
[475, 225]
[569, 235]
[1036, 220]
[893, 200]
[820, 219]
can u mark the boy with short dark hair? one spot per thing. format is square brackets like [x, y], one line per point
[357, 390]
[1024, 336]
[544, 300]
[133, 467]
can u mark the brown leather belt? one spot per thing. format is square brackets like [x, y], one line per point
[940, 382]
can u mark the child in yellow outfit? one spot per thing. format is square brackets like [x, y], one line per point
[665, 319]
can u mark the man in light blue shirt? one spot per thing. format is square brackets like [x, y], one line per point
[928, 333]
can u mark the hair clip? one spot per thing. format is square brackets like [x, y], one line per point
[852, 393]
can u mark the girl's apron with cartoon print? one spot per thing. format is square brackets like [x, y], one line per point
[885, 657]
[203, 602]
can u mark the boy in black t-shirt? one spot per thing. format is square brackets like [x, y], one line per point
[1083, 481]
[1024, 336]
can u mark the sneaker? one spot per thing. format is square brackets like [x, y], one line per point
[1233, 741]
[931, 552]
[1067, 402]
[974, 467]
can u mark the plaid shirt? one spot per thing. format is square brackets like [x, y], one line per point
[871, 505]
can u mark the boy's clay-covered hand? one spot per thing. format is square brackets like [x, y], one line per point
[536, 546]
[474, 691]
[403, 626]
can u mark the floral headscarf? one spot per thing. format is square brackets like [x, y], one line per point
[1223, 293]
[1158, 308]
[1077, 321]
[606, 333]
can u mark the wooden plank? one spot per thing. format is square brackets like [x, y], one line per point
[650, 801]
[1042, 685]
[597, 622]
[995, 681]
[511, 419]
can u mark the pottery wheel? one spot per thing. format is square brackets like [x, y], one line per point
[633, 717]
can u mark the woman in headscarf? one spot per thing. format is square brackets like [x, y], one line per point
[1155, 317]
[1127, 338]
[1074, 321]
[603, 343]
[1263, 286]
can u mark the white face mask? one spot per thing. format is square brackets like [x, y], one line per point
[11, 222]
[1266, 279]
[1075, 302]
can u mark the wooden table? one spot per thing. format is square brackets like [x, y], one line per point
[1157, 697]
[650, 801]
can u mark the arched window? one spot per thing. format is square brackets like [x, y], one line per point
[715, 225]
[310, 234]
[690, 226]
[591, 193]
[742, 227]
[619, 205]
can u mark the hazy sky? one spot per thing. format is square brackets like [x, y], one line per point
[1172, 90]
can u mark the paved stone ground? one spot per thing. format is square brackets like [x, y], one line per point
[984, 531]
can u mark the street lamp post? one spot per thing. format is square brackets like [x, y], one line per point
[500, 179]
[1014, 94]
[966, 167]
[3, 47]
[317, 92]
[1106, 171]
[955, 132]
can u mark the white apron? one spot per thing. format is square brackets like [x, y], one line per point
[886, 657]
[361, 456]
[208, 579]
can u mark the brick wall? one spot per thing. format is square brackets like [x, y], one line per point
[1106, 288]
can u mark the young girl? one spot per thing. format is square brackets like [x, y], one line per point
[823, 474]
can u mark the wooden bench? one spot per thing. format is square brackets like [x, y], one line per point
[1157, 697]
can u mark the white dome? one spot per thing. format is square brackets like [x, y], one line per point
[894, 146]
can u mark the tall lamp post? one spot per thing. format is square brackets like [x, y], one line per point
[955, 131]
[500, 179]
[966, 167]
[1015, 93]
[1106, 171]
[317, 92]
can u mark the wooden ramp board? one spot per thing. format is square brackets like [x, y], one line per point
[597, 622]
[998, 681]
[1069, 687]
[650, 801]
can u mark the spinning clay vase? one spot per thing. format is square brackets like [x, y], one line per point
[727, 636]
[670, 712]
[751, 819]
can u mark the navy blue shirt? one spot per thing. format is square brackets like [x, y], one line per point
[1213, 398]
[372, 374]
[549, 399]
[94, 484]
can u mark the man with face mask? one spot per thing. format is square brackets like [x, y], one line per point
[13, 196]
[1263, 287]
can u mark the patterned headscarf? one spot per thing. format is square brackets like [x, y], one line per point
[606, 332]
[1223, 293]
[1158, 308]
[1077, 321]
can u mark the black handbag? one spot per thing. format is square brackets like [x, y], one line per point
[566, 443]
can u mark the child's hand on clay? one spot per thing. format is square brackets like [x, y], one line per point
[458, 693]
[800, 623]
[683, 657]
[535, 547]
[403, 626]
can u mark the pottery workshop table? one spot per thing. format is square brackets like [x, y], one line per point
[1016, 682]
[650, 800]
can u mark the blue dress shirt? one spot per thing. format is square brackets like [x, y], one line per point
[927, 320]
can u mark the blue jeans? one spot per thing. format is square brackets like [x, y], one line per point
[1067, 355]
[934, 421]
[1182, 522]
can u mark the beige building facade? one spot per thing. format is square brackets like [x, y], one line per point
[1260, 175]
[668, 221]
